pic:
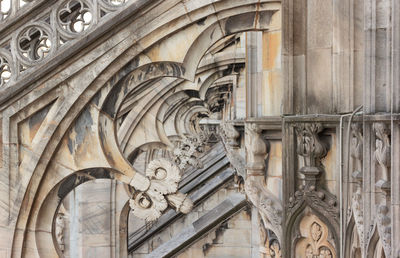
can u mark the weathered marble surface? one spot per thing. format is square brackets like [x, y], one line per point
[146, 82]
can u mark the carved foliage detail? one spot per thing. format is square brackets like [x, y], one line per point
[275, 249]
[319, 200]
[309, 145]
[60, 227]
[164, 177]
[186, 151]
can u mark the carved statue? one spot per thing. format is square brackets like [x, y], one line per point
[356, 153]
[383, 157]
[382, 153]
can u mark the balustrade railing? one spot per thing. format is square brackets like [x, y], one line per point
[41, 38]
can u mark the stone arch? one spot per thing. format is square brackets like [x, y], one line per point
[69, 112]
[313, 238]
[45, 221]
[292, 231]
[373, 243]
[353, 247]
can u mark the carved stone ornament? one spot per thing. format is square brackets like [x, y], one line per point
[60, 227]
[267, 204]
[256, 149]
[312, 149]
[383, 157]
[314, 239]
[186, 152]
[319, 200]
[356, 206]
[74, 17]
[382, 154]
[309, 145]
[384, 228]
[356, 152]
[230, 136]
[164, 177]
[269, 207]
[5, 69]
[275, 249]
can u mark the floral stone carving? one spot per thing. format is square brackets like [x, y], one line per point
[164, 177]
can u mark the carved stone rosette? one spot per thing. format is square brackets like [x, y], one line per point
[164, 177]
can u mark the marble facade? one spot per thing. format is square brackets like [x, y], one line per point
[199, 128]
